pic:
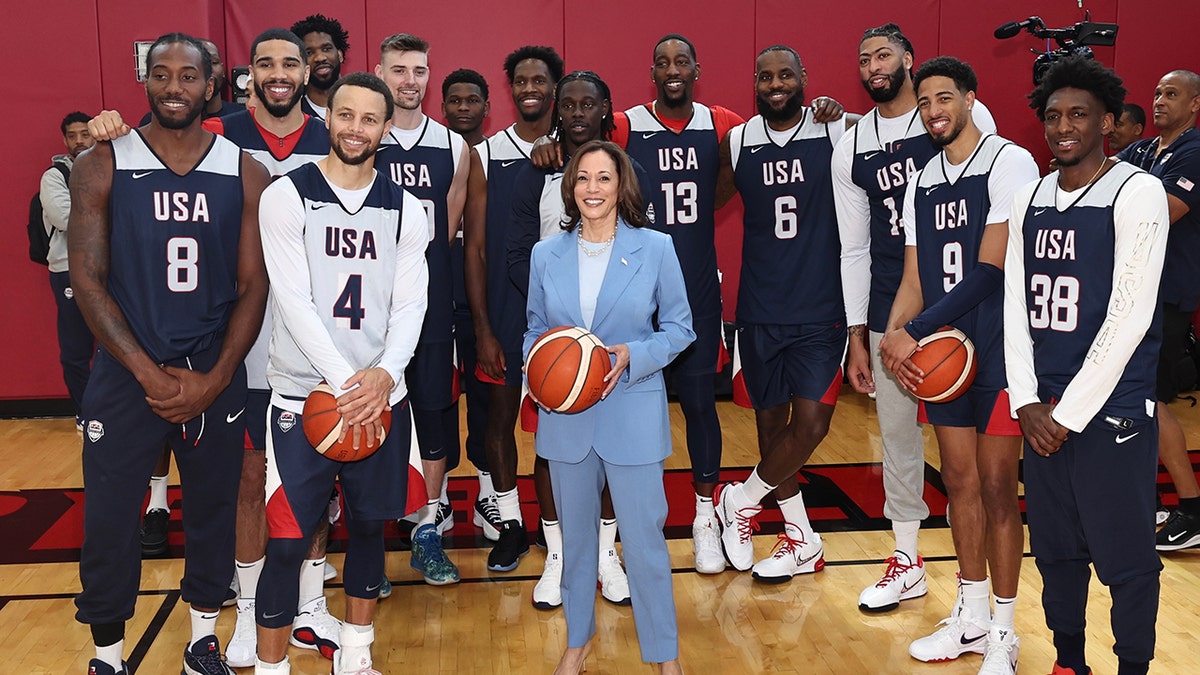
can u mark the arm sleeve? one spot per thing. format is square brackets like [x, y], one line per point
[524, 225]
[281, 220]
[908, 214]
[1142, 221]
[854, 230]
[56, 199]
[982, 117]
[1014, 168]
[409, 294]
[1181, 177]
[725, 119]
[674, 326]
[620, 133]
[1018, 343]
[975, 287]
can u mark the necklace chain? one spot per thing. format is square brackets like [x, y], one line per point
[1090, 180]
[592, 253]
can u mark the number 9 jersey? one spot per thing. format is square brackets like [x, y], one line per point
[174, 245]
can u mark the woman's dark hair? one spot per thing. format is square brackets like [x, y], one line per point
[630, 206]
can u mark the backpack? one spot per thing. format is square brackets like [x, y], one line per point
[39, 235]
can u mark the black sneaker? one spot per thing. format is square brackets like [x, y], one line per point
[154, 532]
[204, 658]
[444, 520]
[513, 543]
[1182, 530]
[1160, 512]
[98, 667]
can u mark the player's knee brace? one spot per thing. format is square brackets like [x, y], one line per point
[697, 399]
[363, 569]
[430, 437]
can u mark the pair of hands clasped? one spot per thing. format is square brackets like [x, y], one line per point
[362, 406]
[621, 351]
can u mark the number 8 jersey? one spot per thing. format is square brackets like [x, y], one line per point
[174, 245]
[791, 269]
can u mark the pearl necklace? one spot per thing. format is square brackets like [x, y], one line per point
[592, 253]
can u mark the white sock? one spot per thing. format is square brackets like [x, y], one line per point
[158, 494]
[1005, 612]
[704, 507]
[312, 581]
[976, 596]
[111, 654]
[906, 537]
[204, 624]
[754, 489]
[608, 534]
[486, 489]
[795, 516]
[443, 497]
[509, 504]
[427, 515]
[354, 643]
[247, 576]
[263, 668]
[553, 532]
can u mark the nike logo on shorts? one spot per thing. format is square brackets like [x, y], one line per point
[1122, 439]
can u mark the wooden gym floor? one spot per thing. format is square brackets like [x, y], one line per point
[727, 622]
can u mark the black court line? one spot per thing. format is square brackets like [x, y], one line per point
[156, 625]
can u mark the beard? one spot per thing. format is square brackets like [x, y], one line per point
[951, 135]
[277, 109]
[895, 81]
[790, 108]
[193, 113]
[367, 152]
[324, 83]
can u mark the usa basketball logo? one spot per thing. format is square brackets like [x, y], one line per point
[286, 421]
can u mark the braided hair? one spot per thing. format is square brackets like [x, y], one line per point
[606, 125]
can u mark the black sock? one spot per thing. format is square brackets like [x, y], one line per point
[106, 634]
[1190, 506]
[1132, 667]
[1070, 652]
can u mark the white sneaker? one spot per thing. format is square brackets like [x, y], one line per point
[243, 646]
[958, 635]
[487, 517]
[903, 580]
[363, 667]
[1001, 656]
[547, 594]
[315, 628]
[791, 557]
[330, 571]
[614, 585]
[737, 524]
[706, 544]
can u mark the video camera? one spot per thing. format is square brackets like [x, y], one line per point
[1077, 39]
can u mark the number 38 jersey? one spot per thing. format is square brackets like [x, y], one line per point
[174, 245]
[946, 210]
[791, 270]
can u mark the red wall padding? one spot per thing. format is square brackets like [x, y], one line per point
[79, 55]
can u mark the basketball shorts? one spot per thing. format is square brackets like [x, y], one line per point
[701, 357]
[782, 361]
[299, 479]
[431, 376]
[985, 410]
[258, 401]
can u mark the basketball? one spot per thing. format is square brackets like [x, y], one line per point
[948, 360]
[322, 424]
[566, 369]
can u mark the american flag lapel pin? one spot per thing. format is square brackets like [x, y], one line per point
[624, 262]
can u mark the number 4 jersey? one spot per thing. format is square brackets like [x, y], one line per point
[791, 269]
[174, 245]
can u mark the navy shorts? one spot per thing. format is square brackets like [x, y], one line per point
[431, 374]
[987, 411]
[700, 358]
[299, 479]
[257, 403]
[781, 362]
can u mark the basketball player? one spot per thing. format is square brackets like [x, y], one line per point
[348, 314]
[791, 323]
[1174, 157]
[167, 269]
[325, 47]
[281, 137]
[872, 165]
[583, 112]
[1085, 254]
[431, 162]
[955, 220]
[497, 306]
[465, 105]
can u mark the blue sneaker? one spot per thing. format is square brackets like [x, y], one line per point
[429, 559]
[385, 589]
[204, 658]
[98, 667]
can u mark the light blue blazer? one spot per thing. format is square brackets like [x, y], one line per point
[630, 426]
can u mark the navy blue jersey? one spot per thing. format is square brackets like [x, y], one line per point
[174, 245]
[1178, 167]
[427, 170]
[883, 173]
[309, 109]
[502, 156]
[791, 269]
[1068, 258]
[682, 167]
[311, 145]
[948, 221]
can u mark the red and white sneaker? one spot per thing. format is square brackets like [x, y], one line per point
[737, 524]
[903, 580]
[791, 557]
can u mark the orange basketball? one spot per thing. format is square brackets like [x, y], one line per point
[322, 424]
[566, 369]
[948, 359]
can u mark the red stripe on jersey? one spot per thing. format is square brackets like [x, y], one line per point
[529, 415]
[922, 415]
[740, 396]
[280, 147]
[1001, 422]
[248, 444]
[215, 125]
[724, 119]
[281, 522]
[455, 384]
[831, 394]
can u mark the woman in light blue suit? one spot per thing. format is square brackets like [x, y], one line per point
[624, 284]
